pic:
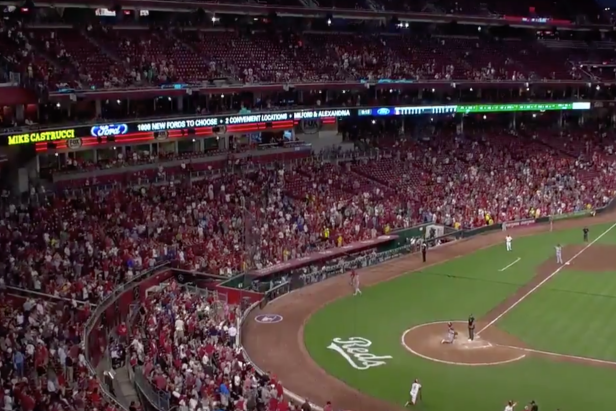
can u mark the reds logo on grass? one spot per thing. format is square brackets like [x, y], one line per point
[355, 351]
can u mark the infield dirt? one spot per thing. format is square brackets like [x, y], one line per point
[279, 348]
[599, 258]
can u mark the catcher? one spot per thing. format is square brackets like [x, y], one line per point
[451, 334]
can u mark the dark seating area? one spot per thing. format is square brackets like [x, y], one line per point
[108, 57]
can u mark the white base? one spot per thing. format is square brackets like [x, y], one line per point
[477, 343]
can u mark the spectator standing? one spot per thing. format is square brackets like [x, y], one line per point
[18, 363]
[69, 368]
[232, 331]
[224, 395]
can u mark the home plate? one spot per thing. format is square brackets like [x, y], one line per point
[474, 345]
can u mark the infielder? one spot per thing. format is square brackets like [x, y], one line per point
[508, 241]
[559, 254]
[451, 335]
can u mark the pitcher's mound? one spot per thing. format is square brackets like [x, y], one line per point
[491, 348]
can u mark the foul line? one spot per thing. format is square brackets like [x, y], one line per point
[545, 280]
[425, 357]
[504, 268]
[554, 354]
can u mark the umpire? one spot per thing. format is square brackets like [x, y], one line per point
[585, 231]
[424, 249]
[471, 328]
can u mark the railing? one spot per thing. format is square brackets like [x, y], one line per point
[316, 84]
[22, 292]
[159, 399]
[98, 310]
[129, 169]
[96, 314]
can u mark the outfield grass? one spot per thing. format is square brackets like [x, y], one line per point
[570, 314]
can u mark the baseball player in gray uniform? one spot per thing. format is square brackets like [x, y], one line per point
[559, 254]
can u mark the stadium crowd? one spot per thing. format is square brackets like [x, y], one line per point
[43, 365]
[290, 206]
[95, 234]
[103, 56]
[81, 247]
[184, 343]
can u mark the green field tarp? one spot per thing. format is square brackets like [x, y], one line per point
[411, 232]
[392, 245]
[407, 233]
[234, 282]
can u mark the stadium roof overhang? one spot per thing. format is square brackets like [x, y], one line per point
[319, 12]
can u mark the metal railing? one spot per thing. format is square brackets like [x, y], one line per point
[159, 399]
[94, 317]
[96, 314]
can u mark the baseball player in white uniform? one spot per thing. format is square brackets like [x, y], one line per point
[559, 254]
[508, 241]
[415, 393]
[451, 335]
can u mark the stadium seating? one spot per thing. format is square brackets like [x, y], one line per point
[113, 57]
[227, 212]
[397, 178]
[121, 228]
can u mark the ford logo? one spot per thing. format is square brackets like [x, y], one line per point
[109, 130]
[384, 111]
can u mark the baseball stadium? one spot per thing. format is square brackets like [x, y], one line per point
[315, 205]
[534, 322]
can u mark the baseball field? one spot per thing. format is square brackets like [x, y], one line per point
[545, 331]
